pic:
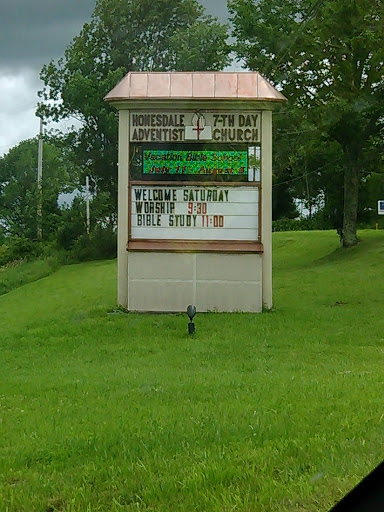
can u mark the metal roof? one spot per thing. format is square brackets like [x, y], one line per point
[206, 85]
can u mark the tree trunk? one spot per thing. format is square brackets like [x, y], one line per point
[351, 201]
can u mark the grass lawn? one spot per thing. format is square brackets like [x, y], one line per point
[22, 272]
[109, 412]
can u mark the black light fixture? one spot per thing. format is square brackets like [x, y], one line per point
[191, 312]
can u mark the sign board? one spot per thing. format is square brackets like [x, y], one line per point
[380, 207]
[220, 127]
[195, 162]
[194, 212]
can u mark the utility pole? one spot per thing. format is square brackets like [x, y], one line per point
[39, 184]
[87, 201]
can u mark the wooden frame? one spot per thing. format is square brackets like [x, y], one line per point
[232, 246]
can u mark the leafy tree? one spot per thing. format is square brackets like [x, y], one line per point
[283, 205]
[328, 58]
[18, 189]
[307, 166]
[122, 36]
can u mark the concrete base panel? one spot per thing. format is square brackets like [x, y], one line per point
[168, 282]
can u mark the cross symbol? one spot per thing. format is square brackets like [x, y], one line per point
[198, 128]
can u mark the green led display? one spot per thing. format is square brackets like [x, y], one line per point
[163, 161]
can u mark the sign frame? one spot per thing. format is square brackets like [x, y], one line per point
[195, 245]
[198, 118]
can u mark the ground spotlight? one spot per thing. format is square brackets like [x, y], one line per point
[191, 312]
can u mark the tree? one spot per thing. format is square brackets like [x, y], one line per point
[122, 36]
[307, 166]
[328, 59]
[18, 189]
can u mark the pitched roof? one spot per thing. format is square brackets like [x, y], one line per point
[208, 85]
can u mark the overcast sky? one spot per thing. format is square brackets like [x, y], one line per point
[32, 32]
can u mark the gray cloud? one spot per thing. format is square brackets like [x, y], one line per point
[32, 32]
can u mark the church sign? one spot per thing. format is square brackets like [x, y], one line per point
[221, 127]
[193, 176]
[195, 190]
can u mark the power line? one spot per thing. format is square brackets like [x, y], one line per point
[296, 132]
[311, 11]
[308, 173]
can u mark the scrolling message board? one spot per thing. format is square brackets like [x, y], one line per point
[203, 162]
[194, 212]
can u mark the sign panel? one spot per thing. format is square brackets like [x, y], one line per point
[243, 127]
[194, 213]
[380, 207]
[195, 162]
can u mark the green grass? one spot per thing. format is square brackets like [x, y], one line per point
[106, 412]
[13, 275]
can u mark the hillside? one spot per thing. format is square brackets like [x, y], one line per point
[104, 411]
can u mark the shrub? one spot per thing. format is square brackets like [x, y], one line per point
[100, 244]
[297, 224]
[17, 248]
